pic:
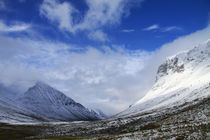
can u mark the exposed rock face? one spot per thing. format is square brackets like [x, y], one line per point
[171, 65]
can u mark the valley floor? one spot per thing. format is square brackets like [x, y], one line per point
[192, 122]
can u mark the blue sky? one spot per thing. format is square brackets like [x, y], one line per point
[173, 19]
[102, 53]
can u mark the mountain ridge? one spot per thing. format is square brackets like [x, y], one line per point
[177, 80]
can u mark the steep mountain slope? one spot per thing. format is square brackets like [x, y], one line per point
[180, 79]
[10, 110]
[48, 103]
[101, 114]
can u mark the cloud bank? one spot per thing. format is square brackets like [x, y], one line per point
[110, 79]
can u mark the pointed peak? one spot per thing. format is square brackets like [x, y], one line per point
[41, 88]
[41, 84]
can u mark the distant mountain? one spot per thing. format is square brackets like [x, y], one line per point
[43, 103]
[101, 114]
[181, 79]
[48, 103]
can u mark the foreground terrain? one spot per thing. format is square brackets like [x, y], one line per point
[192, 122]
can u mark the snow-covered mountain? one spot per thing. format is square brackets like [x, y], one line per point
[10, 107]
[42, 103]
[48, 103]
[101, 114]
[181, 79]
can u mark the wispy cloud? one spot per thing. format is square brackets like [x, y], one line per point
[14, 27]
[171, 28]
[152, 27]
[99, 14]
[128, 30]
[162, 29]
[98, 35]
[59, 13]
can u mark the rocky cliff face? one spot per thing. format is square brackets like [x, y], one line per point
[176, 64]
[170, 66]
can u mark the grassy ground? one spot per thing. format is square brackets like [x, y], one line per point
[16, 132]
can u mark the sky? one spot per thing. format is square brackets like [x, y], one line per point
[102, 53]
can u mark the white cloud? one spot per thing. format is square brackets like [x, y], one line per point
[99, 13]
[111, 79]
[98, 35]
[13, 28]
[128, 30]
[152, 27]
[171, 28]
[61, 13]
[163, 29]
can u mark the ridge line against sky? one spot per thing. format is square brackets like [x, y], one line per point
[86, 49]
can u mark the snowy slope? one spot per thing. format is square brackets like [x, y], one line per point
[50, 104]
[10, 110]
[180, 79]
[101, 114]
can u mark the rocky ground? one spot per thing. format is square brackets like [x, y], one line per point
[191, 122]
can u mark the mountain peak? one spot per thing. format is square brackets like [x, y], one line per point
[43, 91]
[41, 84]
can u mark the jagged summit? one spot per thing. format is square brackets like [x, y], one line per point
[170, 66]
[176, 63]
